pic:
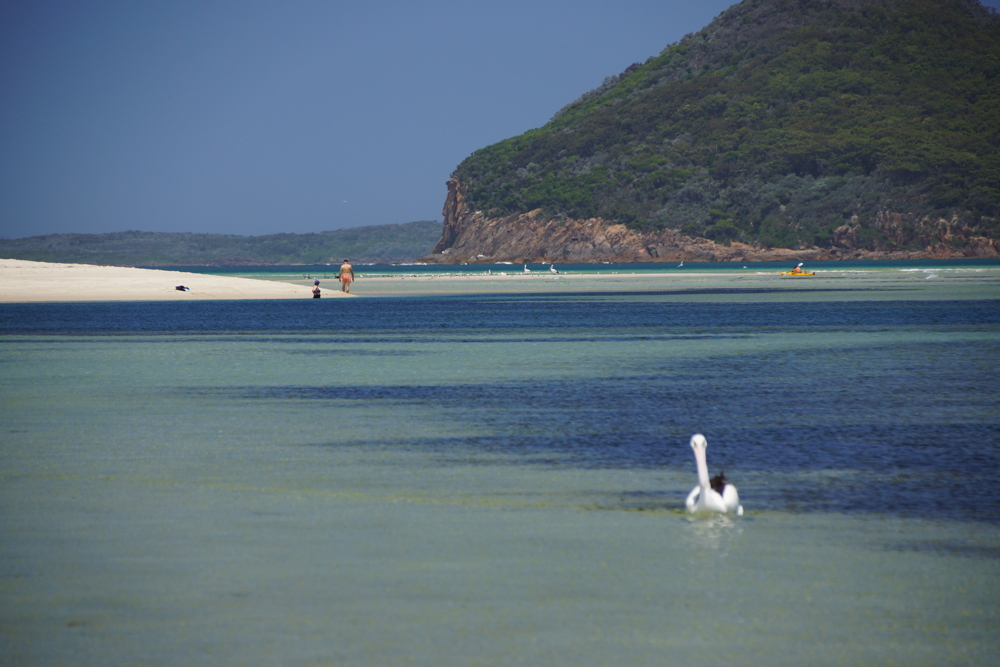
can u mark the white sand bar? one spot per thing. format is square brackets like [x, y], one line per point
[22, 281]
[25, 281]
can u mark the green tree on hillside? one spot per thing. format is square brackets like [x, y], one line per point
[776, 124]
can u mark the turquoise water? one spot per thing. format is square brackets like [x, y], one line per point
[499, 479]
[824, 267]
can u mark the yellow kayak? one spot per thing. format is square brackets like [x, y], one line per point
[789, 273]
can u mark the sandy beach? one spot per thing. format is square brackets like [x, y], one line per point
[22, 281]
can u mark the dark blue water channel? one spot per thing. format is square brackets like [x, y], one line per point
[864, 424]
[558, 313]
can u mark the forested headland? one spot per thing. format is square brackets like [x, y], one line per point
[783, 124]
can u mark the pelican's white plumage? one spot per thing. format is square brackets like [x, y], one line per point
[703, 498]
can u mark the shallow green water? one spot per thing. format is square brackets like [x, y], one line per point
[500, 481]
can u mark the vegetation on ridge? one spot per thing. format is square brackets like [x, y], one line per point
[775, 125]
[372, 244]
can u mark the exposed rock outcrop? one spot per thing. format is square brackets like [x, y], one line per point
[470, 236]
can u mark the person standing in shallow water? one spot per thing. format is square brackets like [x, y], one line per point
[316, 289]
[346, 276]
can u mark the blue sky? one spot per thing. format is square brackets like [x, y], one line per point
[257, 118]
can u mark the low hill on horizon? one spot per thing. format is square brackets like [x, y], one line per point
[851, 124]
[375, 244]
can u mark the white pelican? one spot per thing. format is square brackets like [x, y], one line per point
[681, 264]
[553, 269]
[526, 269]
[715, 495]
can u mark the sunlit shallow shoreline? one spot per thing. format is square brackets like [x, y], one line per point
[23, 281]
[712, 283]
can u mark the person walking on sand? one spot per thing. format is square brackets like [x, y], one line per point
[346, 276]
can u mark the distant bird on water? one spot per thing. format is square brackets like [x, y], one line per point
[553, 269]
[526, 269]
[711, 495]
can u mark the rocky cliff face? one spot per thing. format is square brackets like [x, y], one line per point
[469, 236]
